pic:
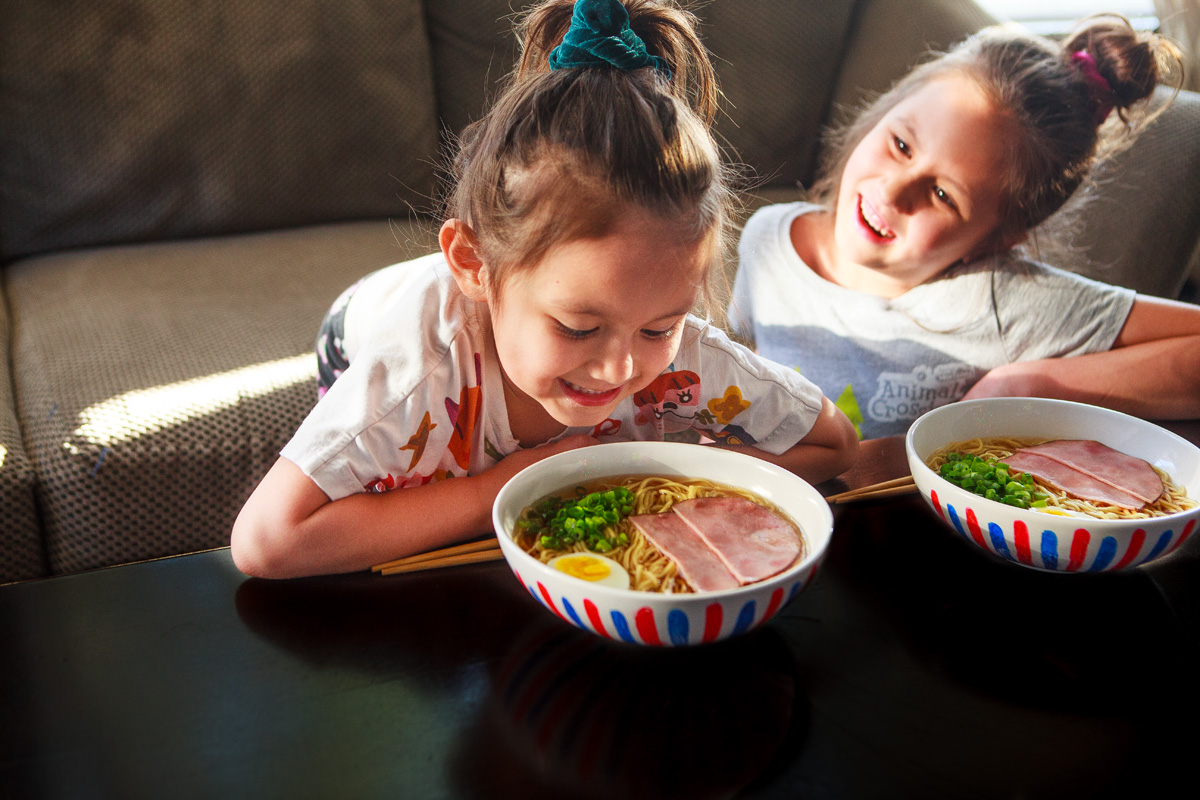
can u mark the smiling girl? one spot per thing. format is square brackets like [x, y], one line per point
[899, 288]
[586, 221]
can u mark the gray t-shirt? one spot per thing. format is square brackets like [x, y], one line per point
[887, 361]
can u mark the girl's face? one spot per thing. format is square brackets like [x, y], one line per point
[594, 322]
[921, 190]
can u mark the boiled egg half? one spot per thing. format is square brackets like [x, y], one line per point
[592, 568]
[1064, 512]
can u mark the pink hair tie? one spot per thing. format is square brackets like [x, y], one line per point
[1101, 90]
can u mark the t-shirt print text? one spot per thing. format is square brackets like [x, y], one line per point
[906, 396]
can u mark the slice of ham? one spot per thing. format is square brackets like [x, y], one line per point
[678, 541]
[1091, 471]
[753, 541]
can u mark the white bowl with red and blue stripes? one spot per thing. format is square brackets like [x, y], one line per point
[651, 618]
[1032, 538]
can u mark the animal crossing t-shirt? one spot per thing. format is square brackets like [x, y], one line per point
[887, 361]
[423, 398]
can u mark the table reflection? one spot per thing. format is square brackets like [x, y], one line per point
[573, 715]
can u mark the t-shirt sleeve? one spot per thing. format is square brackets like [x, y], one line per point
[368, 434]
[1043, 312]
[408, 409]
[743, 398]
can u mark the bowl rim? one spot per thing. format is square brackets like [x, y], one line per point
[916, 463]
[812, 555]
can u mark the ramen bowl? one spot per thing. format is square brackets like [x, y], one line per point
[1041, 540]
[652, 618]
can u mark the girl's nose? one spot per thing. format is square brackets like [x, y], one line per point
[900, 190]
[614, 366]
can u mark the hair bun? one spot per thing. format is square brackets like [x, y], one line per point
[1120, 65]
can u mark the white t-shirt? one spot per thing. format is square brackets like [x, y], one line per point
[423, 398]
[887, 361]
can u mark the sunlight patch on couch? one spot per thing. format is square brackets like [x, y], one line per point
[145, 411]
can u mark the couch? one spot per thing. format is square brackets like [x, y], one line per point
[186, 186]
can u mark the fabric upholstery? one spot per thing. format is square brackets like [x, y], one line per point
[1141, 228]
[157, 383]
[130, 121]
[473, 51]
[21, 552]
[777, 62]
[891, 36]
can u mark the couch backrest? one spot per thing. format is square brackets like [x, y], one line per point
[136, 121]
[777, 62]
[141, 121]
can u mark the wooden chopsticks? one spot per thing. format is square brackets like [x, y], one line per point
[892, 488]
[468, 553]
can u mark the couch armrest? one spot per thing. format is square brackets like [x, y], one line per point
[22, 553]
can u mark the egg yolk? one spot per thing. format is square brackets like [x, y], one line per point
[584, 567]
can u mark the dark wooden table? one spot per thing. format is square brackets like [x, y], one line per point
[913, 666]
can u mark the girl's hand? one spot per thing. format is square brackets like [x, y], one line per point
[1021, 379]
[827, 450]
[494, 478]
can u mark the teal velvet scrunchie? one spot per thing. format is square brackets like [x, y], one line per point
[600, 36]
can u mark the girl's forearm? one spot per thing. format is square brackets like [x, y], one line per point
[359, 531]
[1155, 379]
[289, 528]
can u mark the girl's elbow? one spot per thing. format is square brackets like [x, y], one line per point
[840, 438]
[257, 549]
[844, 450]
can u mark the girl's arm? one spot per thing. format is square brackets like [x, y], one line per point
[289, 527]
[828, 450]
[1152, 370]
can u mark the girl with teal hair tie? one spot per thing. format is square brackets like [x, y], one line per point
[586, 219]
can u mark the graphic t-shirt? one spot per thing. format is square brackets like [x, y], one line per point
[423, 398]
[887, 361]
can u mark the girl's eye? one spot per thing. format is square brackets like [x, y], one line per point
[573, 333]
[901, 145]
[651, 333]
[943, 196]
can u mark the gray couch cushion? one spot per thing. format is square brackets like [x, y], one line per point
[156, 383]
[126, 122]
[776, 71]
[1141, 227]
[21, 553]
[891, 36]
[474, 50]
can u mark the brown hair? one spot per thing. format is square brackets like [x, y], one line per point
[563, 154]
[1046, 89]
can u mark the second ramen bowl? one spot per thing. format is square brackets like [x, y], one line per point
[648, 618]
[1034, 538]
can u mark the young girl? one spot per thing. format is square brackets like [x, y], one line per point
[899, 289]
[586, 221]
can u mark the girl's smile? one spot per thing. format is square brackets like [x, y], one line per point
[873, 222]
[594, 322]
[589, 397]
